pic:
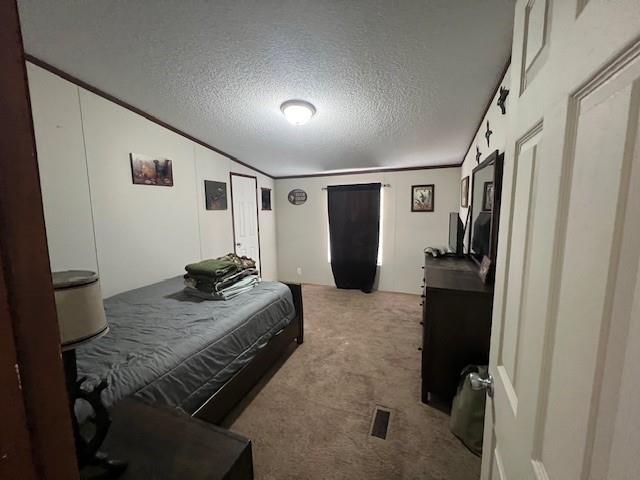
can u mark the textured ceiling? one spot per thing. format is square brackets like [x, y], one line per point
[395, 83]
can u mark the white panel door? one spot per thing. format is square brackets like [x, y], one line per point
[565, 343]
[244, 204]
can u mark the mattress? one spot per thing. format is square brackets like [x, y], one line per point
[168, 348]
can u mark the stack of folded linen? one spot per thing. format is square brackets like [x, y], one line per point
[221, 278]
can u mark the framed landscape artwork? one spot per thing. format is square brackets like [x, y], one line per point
[146, 170]
[422, 198]
[487, 198]
[464, 192]
[215, 195]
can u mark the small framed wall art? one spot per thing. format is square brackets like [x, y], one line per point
[487, 197]
[422, 198]
[266, 198]
[146, 170]
[215, 195]
[464, 192]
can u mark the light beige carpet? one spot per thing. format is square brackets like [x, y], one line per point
[312, 418]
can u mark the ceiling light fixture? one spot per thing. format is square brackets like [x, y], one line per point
[297, 112]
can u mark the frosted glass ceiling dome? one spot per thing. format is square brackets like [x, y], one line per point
[297, 112]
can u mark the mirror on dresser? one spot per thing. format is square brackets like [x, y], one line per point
[484, 210]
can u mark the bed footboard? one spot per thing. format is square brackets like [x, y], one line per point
[296, 291]
[224, 400]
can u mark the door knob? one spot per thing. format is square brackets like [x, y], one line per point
[479, 383]
[238, 244]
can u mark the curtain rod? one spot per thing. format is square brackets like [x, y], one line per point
[384, 185]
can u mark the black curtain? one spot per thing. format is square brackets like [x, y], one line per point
[354, 227]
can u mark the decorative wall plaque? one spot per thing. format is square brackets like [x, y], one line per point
[488, 134]
[297, 196]
[504, 93]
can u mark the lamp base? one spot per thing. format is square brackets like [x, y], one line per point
[98, 465]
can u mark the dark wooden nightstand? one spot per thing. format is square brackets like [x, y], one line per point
[165, 444]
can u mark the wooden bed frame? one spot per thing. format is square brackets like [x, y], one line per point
[229, 395]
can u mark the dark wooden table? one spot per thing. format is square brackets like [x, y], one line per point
[165, 444]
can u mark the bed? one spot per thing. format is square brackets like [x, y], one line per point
[168, 348]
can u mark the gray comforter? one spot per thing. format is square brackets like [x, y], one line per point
[172, 349]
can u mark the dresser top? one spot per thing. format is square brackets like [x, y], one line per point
[454, 273]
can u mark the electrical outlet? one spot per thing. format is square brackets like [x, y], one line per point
[299, 270]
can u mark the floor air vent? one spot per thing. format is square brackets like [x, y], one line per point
[380, 424]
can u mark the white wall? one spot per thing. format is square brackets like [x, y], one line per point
[498, 124]
[63, 173]
[303, 229]
[216, 241]
[143, 234]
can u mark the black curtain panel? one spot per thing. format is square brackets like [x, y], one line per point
[354, 227]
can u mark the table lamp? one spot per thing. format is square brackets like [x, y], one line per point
[81, 319]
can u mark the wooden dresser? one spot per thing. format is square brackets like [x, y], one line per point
[456, 318]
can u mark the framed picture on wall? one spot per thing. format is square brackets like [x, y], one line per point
[487, 197]
[422, 198]
[266, 198]
[215, 195]
[464, 192]
[146, 170]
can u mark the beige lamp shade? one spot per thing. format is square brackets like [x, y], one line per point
[79, 305]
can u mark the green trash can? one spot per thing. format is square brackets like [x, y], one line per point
[467, 410]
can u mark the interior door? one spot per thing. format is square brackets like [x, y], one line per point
[244, 204]
[565, 345]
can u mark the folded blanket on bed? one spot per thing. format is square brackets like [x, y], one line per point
[212, 285]
[249, 281]
[221, 266]
[212, 268]
[235, 278]
[239, 287]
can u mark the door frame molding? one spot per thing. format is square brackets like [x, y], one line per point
[27, 300]
[233, 220]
